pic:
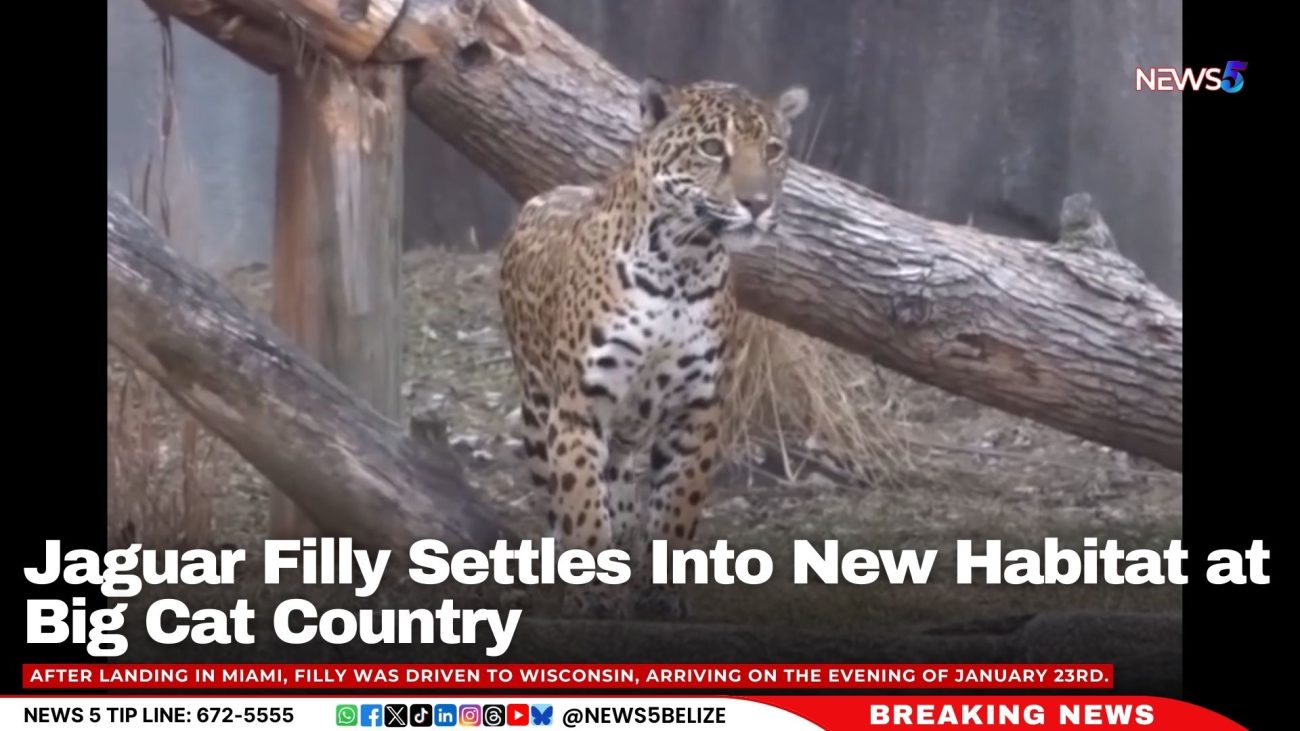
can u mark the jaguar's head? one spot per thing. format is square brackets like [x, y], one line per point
[718, 151]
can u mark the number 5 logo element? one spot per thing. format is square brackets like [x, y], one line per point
[1232, 78]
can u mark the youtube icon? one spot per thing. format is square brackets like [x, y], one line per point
[517, 714]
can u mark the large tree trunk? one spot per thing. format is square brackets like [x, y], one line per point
[338, 233]
[353, 471]
[1080, 341]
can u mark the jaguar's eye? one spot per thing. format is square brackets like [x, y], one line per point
[775, 150]
[713, 147]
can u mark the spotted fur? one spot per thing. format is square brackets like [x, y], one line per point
[621, 318]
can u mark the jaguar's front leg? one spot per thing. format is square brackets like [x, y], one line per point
[682, 460]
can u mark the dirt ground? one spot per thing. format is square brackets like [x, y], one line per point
[971, 472]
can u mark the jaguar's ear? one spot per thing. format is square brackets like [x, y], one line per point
[655, 101]
[792, 102]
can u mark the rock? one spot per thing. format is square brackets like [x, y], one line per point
[428, 424]
[737, 504]
[467, 440]
[819, 480]
[483, 335]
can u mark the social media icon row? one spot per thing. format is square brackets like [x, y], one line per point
[402, 715]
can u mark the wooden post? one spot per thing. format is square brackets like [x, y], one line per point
[338, 235]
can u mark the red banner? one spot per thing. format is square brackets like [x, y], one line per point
[590, 695]
[646, 676]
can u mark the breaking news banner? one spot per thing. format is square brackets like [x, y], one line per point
[651, 364]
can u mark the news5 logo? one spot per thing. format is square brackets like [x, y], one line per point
[400, 715]
[1231, 78]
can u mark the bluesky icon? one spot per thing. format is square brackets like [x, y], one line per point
[542, 714]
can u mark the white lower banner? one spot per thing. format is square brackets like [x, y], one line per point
[272, 713]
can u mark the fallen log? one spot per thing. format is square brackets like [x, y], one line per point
[1078, 340]
[352, 471]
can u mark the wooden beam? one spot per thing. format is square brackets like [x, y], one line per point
[262, 41]
[271, 34]
[351, 29]
[338, 233]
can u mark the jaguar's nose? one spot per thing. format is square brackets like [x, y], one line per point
[756, 205]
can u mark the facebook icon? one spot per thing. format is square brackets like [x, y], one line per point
[372, 715]
[444, 714]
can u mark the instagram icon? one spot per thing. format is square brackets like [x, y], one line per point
[471, 715]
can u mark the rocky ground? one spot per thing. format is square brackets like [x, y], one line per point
[973, 473]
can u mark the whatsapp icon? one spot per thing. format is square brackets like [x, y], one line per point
[345, 715]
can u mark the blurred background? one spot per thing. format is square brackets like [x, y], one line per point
[986, 113]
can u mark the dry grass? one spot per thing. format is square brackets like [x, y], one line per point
[797, 394]
[161, 482]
